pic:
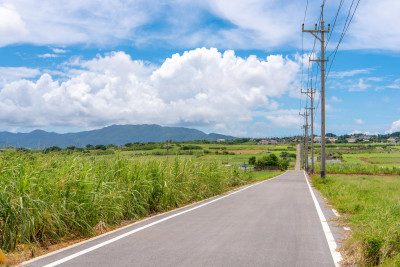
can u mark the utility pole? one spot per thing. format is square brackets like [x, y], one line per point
[321, 62]
[305, 161]
[310, 94]
[302, 150]
[306, 139]
[168, 141]
[301, 153]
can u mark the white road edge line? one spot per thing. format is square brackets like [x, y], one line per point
[336, 256]
[75, 255]
[336, 213]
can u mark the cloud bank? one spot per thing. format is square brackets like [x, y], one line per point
[200, 88]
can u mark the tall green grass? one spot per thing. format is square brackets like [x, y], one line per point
[44, 198]
[357, 168]
[373, 203]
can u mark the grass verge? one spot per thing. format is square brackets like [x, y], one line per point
[358, 168]
[50, 198]
[371, 206]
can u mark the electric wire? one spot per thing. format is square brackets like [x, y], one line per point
[344, 31]
[302, 55]
[334, 22]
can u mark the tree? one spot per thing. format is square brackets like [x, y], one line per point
[270, 161]
[252, 160]
[100, 147]
[51, 149]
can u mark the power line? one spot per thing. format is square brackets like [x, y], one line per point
[344, 31]
[302, 53]
[334, 22]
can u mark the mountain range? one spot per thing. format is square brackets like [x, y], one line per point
[115, 134]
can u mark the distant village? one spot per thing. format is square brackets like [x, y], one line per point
[332, 139]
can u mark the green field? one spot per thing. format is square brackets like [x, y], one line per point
[223, 153]
[371, 207]
[49, 196]
[363, 159]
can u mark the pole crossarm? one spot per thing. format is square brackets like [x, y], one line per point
[316, 31]
[309, 93]
[319, 61]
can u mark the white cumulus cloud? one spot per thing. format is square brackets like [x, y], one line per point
[395, 127]
[202, 87]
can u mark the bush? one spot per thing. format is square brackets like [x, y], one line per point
[272, 162]
[190, 147]
[51, 149]
[286, 155]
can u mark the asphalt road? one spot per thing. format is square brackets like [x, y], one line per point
[273, 223]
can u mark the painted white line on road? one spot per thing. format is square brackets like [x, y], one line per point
[80, 253]
[337, 257]
[336, 213]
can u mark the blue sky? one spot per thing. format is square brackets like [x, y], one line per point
[232, 67]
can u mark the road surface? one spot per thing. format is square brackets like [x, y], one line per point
[272, 223]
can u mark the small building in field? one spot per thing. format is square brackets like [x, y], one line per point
[351, 140]
[262, 143]
[317, 139]
[220, 140]
[332, 139]
[272, 142]
[392, 140]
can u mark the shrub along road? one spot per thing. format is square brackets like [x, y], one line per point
[272, 223]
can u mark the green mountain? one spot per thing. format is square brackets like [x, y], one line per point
[115, 134]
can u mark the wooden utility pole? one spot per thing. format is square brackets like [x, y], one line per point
[310, 94]
[321, 62]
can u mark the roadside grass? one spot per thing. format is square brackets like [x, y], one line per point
[365, 162]
[371, 205]
[48, 198]
[259, 176]
[357, 168]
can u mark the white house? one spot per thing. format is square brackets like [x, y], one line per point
[317, 139]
